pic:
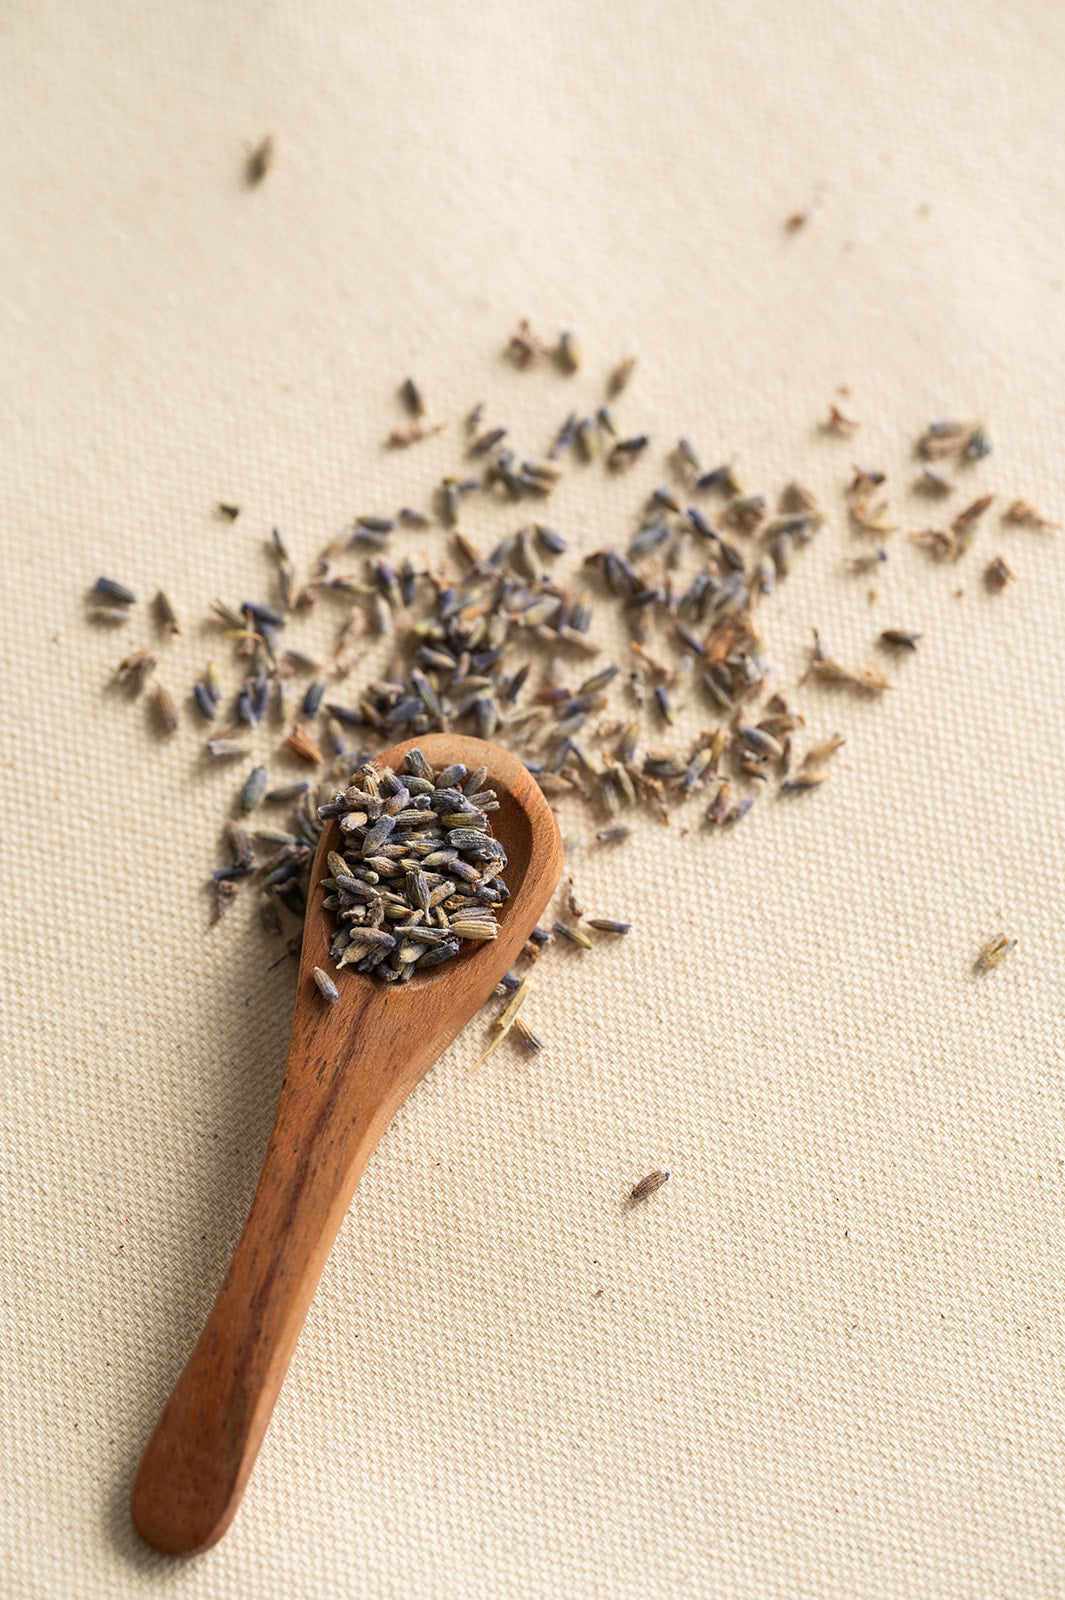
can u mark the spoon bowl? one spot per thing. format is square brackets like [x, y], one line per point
[519, 827]
[350, 1067]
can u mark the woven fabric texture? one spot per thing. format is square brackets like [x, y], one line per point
[826, 1358]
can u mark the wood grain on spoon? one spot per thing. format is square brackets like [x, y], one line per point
[350, 1067]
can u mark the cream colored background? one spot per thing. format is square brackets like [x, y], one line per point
[828, 1358]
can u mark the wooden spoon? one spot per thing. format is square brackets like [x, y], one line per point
[350, 1067]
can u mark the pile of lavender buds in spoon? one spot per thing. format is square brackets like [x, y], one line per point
[418, 872]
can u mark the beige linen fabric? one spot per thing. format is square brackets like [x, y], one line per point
[826, 1360]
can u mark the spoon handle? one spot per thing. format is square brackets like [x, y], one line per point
[331, 1113]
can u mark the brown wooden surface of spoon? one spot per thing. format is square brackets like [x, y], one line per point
[350, 1067]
